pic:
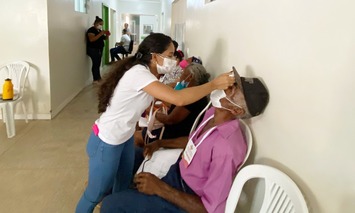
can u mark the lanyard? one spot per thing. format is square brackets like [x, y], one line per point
[206, 134]
[191, 148]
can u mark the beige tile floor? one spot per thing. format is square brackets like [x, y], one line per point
[44, 167]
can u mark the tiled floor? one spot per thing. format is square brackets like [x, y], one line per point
[44, 167]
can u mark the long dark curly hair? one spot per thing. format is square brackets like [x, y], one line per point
[154, 43]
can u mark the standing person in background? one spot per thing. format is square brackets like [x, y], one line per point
[128, 31]
[95, 37]
[125, 93]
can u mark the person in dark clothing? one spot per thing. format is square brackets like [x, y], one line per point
[179, 119]
[176, 45]
[95, 37]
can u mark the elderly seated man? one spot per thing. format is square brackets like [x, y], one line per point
[201, 179]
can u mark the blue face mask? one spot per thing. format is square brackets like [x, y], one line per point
[181, 85]
[184, 83]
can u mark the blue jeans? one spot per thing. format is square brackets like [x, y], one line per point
[115, 51]
[133, 201]
[110, 171]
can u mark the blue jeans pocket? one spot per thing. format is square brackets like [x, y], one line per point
[93, 145]
[111, 152]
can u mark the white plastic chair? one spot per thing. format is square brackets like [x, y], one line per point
[281, 194]
[248, 139]
[17, 72]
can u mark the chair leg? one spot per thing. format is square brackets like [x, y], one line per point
[24, 111]
[10, 122]
[3, 115]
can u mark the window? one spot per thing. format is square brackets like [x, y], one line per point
[80, 6]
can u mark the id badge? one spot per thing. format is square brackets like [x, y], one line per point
[189, 153]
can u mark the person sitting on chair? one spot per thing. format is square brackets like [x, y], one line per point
[200, 181]
[122, 47]
[179, 119]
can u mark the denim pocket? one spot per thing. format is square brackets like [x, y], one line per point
[111, 152]
[93, 145]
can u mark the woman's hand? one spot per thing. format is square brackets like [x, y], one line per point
[223, 81]
[150, 148]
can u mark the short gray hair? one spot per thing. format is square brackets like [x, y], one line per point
[199, 73]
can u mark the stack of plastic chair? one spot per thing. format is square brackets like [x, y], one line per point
[17, 72]
[281, 194]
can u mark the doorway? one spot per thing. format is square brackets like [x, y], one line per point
[105, 18]
[140, 25]
[133, 25]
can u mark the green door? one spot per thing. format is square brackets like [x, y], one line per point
[105, 18]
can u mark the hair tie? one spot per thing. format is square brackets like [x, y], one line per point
[138, 55]
[180, 53]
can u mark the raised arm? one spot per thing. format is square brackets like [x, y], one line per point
[93, 38]
[178, 114]
[188, 95]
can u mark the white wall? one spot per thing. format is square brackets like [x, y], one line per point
[51, 37]
[147, 20]
[178, 26]
[69, 63]
[70, 67]
[304, 51]
[24, 36]
[135, 7]
[139, 7]
[166, 16]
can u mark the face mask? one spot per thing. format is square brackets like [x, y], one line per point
[185, 83]
[181, 85]
[183, 64]
[99, 27]
[217, 95]
[167, 67]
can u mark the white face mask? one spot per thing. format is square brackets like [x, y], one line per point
[99, 27]
[217, 95]
[167, 67]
